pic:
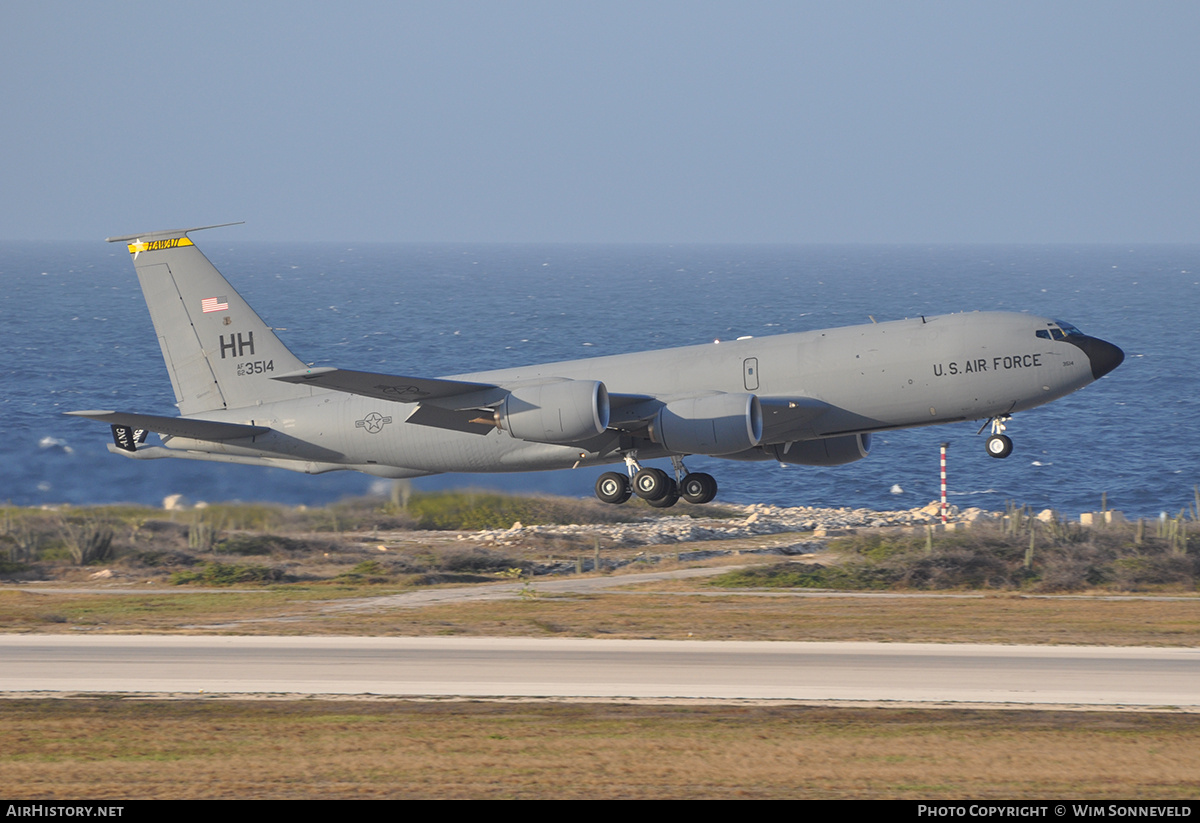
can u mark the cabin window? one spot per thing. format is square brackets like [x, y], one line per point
[1061, 331]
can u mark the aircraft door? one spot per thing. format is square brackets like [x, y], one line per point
[750, 373]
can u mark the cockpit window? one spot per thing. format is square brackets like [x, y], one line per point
[1059, 330]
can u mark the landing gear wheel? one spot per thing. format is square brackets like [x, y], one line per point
[667, 500]
[999, 445]
[698, 488]
[613, 488]
[651, 484]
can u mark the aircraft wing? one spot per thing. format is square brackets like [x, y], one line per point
[457, 405]
[782, 416]
[471, 421]
[787, 416]
[453, 394]
[465, 406]
[447, 404]
[175, 426]
[631, 412]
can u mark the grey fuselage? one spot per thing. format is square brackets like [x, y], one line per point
[867, 378]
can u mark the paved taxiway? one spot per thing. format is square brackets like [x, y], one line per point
[520, 667]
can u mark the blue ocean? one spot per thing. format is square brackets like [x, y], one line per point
[77, 335]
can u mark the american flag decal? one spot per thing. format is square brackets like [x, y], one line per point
[214, 304]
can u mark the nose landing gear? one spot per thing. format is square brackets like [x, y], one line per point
[998, 444]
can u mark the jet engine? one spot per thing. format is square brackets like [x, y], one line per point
[832, 451]
[713, 424]
[565, 411]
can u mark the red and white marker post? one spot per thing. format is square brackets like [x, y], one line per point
[945, 508]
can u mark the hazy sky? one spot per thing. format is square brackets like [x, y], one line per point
[603, 121]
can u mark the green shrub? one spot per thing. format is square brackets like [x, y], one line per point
[249, 545]
[368, 571]
[12, 567]
[227, 574]
[1143, 572]
[474, 560]
[487, 510]
[957, 568]
[434, 578]
[877, 546]
[158, 558]
[809, 576]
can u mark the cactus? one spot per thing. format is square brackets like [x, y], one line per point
[1177, 537]
[201, 536]
[89, 540]
[23, 540]
[1016, 518]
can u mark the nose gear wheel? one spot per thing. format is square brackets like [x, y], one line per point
[999, 444]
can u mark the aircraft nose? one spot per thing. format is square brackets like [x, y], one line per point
[1104, 356]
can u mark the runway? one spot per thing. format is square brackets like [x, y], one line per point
[587, 668]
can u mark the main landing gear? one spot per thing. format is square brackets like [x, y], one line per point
[655, 486]
[999, 444]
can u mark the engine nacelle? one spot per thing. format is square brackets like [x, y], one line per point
[714, 424]
[562, 412]
[832, 451]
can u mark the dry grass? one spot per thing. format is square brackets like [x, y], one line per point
[139, 749]
[653, 613]
[895, 620]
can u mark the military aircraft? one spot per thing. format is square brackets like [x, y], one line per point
[811, 398]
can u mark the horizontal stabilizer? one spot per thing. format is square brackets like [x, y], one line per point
[160, 235]
[301, 466]
[175, 426]
[396, 387]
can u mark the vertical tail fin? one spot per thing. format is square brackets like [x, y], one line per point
[218, 351]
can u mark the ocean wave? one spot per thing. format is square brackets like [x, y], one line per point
[54, 443]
